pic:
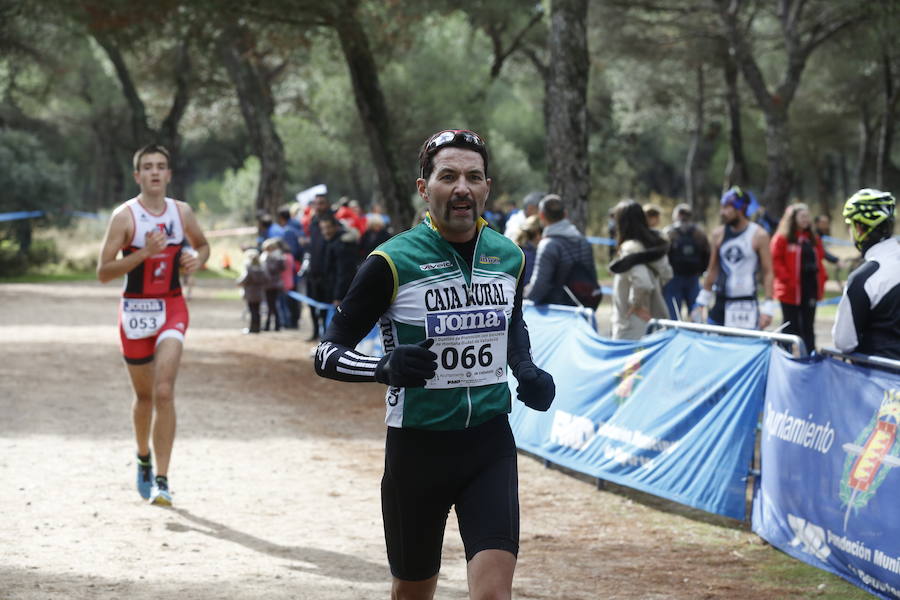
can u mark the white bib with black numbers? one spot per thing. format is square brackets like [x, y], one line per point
[142, 317]
[470, 345]
[743, 314]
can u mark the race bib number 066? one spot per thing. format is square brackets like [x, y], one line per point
[142, 317]
[470, 347]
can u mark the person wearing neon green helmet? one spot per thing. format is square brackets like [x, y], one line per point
[868, 316]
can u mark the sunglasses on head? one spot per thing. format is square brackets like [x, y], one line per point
[455, 137]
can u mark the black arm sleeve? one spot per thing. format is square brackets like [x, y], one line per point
[367, 299]
[518, 346]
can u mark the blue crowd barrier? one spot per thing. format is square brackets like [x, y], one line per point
[828, 493]
[675, 414]
[601, 241]
[35, 214]
[370, 345]
[15, 216]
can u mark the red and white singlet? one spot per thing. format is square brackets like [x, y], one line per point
[144, 323]
[157, 276]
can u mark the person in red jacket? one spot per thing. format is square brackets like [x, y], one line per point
[797, 254]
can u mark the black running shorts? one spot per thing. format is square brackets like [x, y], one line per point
[426, 472]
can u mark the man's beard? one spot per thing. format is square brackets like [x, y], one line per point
[731, 223]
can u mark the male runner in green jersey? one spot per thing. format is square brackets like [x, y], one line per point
[447, 295]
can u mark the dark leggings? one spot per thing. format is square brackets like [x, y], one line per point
[802, 319]
[253, 307]
[272, 309]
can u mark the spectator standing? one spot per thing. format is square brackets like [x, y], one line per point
[799, 280]
[375, 235]
[349, 214]
[688, 256]
[514, 220]
[868, 316]
[266, 228]
[637, 292]
[653, 214]
[273, 262]
[564, 260]
[253, 281]
[527, 239]
[822, 226]
[611, 231]
[739, 254]
[341, 258]
[288, 281]
[316, 287]
[292, 234]
[763, 218]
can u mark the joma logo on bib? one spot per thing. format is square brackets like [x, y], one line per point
[477, 294]
[457, 323]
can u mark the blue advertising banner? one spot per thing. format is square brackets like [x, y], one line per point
[673, 414]
[829, 494]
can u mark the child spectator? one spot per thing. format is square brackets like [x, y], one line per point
[289, 316]
[253, 281]
[273, 263]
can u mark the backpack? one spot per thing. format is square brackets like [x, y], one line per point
[684, 253]
[581, 285]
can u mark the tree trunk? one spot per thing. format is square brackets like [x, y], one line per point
[691, 185]
[141, 131]
[802, 35]
[826, 181]
[254, 92]
[779, 163]
[395, 189]
[845, 183]
[862, 172]
[737, 171]
[565, 106]
[883, 165]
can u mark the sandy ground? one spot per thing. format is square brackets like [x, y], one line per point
[276, 480]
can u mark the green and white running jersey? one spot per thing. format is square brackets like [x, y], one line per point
[466, 311]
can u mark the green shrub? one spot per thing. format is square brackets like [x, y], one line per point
[14, 262]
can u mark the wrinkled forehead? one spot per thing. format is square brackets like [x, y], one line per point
[457, 159]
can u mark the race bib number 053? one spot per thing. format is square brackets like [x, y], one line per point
[142, 317]
[470, 347]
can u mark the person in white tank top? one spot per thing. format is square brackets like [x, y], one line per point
[740, 254]
[151, 231]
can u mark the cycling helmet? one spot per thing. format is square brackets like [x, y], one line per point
[870, 208]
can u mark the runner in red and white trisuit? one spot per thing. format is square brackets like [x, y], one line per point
[151, 231]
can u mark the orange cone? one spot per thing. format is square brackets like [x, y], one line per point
[226, 262]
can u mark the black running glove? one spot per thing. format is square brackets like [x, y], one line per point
[536, 388]
[408, 365]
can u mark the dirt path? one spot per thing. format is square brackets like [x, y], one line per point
[276, 476]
